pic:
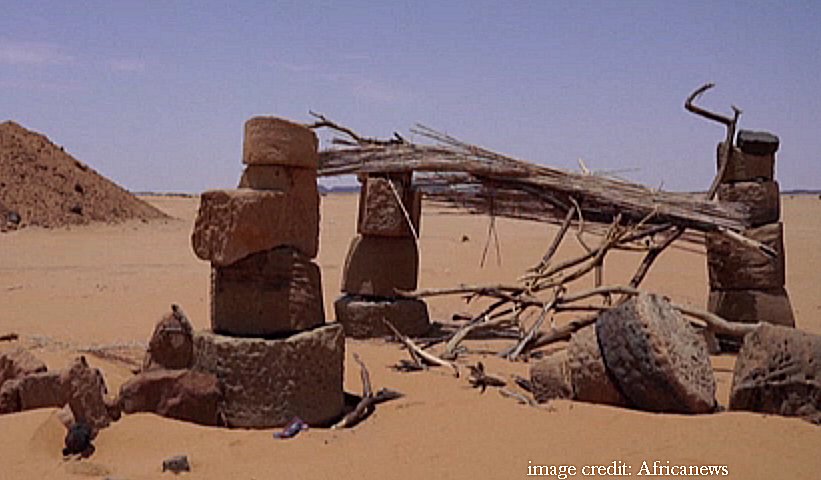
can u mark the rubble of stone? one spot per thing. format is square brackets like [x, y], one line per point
[185, 395]
[172, 343]
[640, 354]
[382, 259]
[746, 285]
[778, 371]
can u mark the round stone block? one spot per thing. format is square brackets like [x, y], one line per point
[362, 317]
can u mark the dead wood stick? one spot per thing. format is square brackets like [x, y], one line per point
[516, 351]
[557, 240]
[416, 350]
[716, 324]
[323, 122]
[652, 254]
[461, 334]
[765, 250]
[522, 399]
[368, 402]
[9, 337]
[480, 379]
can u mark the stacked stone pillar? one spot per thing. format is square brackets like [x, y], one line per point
[746, 286]
[269, 345]
[382, 259]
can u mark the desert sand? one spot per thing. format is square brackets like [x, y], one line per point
[64, 290]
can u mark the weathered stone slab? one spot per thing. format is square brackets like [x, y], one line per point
[778, 370]
[751, 306]
[382, 211]
[85, 394]
[550, 378]
[42, 390]
[292, 180]
[17, 362]
[655, 357]
[378, 266]
[762, 198]
[733, 266]
[746, 167]
[267, 293]
[185, 395]
[362, 317]
[757, 143]
[588, 375]
[232, 224]
[268, 382]
[172, 343]
[276, 141]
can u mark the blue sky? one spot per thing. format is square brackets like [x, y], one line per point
[154, 94]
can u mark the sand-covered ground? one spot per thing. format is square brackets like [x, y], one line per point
[65, 290]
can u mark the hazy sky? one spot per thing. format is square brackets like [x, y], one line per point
[154, 94]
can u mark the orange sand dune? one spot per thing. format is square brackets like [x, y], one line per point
[65, 290]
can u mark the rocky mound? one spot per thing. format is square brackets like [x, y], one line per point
[42, 185]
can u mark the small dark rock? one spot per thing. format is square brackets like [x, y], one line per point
[76, 209]
[176, 464]
[78, 440]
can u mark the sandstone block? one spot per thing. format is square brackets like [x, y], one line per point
[41, 390]
[267, 293]
[172, 344]
[382, 211]
[291, 180]
[747, 167]
[10, 396]
[378, 266]
[17, 362]
[751, 306]
[276, 141]
[588, 375]
[550, 378]
[655, 357]
[778, 370]
[762, 198]
[757, 143]
[85, 394]
[268, 382]
[362, 317]
[232, 224]
[733, 266]
[185, 395]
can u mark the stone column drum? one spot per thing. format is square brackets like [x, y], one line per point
[383, 258]
[745, 285]
[269, 346]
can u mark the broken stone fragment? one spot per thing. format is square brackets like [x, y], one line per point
[180, 394]
[378, 266]
[291, 180]
[656, 359]
[588, 374]
[17, 362]
[268, 293]
[232, 224]
[778, 370]
[266, 383]
[172, 343]
[362, 317]
[276, 141]
[85, 394]
[550, 378]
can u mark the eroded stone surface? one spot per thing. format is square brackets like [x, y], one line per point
[385, 207]
[172, 343]
[42, 390]
[733, 266]
[268, 293]
[378, 266]
[778, 370]
[757, 143]
[751, 306]
[762, 198]
[232, 224]
[17, 362]
[550, 378]
[654, 356]
[362, 317]
[268, 382]
[746, 167]
[588, 375]
[292, 180]
[276, 141]
[186, 395]
[85, 394]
